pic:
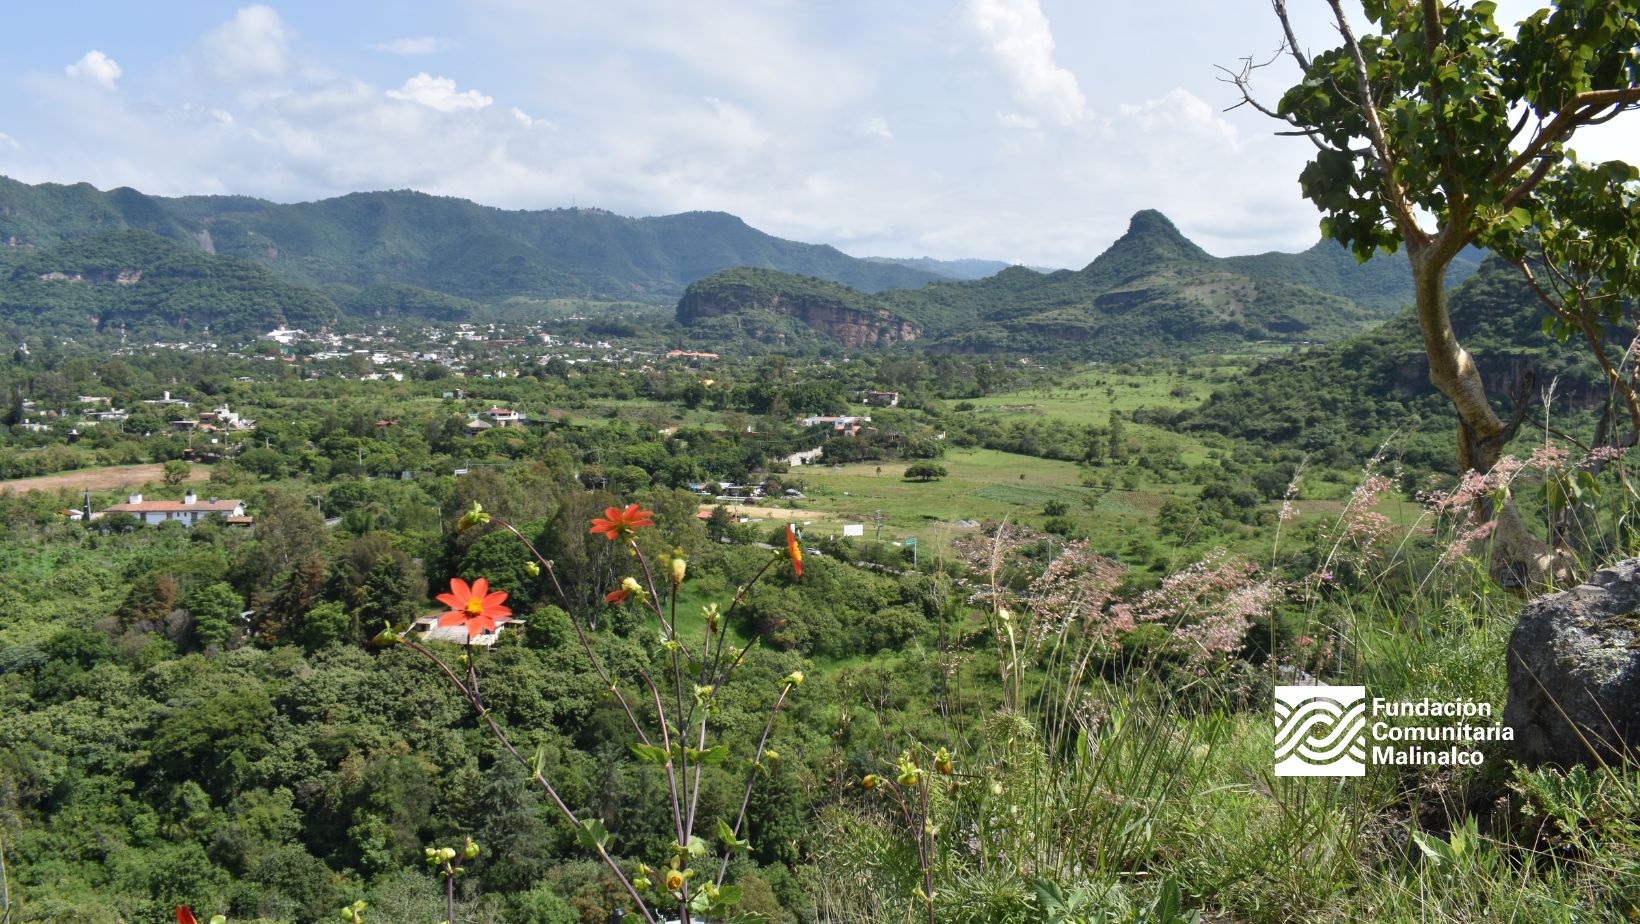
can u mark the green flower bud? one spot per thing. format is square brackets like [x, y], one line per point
[471, 518]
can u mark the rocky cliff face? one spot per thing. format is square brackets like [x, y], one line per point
[853, 326]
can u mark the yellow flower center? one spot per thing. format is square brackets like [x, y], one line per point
[475, 607]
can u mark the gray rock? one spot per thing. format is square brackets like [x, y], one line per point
[1574, 672]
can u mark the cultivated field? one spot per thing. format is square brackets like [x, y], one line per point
[98, 479]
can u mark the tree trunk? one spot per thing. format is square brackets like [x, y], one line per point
[1520, 559]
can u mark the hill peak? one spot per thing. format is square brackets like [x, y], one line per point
[1151, 237]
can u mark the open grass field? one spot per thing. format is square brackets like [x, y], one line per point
[1089, 396]
[982, 485]
[98, 479]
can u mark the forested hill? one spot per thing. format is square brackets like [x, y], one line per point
[1347, 397]
[439, 243]
[1152, 292]
[1384, 282]
[150, 286]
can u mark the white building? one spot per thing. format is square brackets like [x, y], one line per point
[188, 511]
[503, 417]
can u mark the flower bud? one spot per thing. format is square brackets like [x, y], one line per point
[870, 781]
[472, 517]
[679, 567]
[532, 568]
[631, 585]
[470, 850]
[387, 637]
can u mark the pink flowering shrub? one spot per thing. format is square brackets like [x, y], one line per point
[1204, 610]
[1208, 607]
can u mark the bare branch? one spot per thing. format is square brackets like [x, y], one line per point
[1242, 80]
[1280, 7]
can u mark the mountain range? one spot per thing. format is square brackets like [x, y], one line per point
[73, 256]
[1153, 291]
[1350, 396]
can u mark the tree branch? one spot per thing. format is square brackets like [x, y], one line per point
[1562, 126]
[1394, 197]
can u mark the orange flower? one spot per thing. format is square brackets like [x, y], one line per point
[185, 916]
[629, 587]
[618, 523]
[475, 606]
[793, 551]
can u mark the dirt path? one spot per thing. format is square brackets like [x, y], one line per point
[98, 479]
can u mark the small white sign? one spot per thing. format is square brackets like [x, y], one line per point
[854, 529]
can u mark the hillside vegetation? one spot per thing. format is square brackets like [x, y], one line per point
[145, 282]
[1154, 292]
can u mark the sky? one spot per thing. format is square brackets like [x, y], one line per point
[1019, 130]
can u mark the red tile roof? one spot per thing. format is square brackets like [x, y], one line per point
[163, 506]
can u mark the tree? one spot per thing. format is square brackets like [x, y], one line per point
[176, 472]
[289, 530]
[1439, 132]
[215, 609]
[925, 471]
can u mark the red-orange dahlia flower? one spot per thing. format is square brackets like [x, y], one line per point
[619, 523]
[475, 607]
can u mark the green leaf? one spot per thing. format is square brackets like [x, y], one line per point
[650, 754]
[727, 836]
[1437, 850]
[712, 755]
[592, 835]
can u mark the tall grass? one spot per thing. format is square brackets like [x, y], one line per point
[1126, 784]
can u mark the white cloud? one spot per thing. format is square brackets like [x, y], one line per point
[7, 141]
[1017, 120]
[254, 45]
[421, 45]
[528, 121]
[96, 67]
[1021, 41]
[1182, 110]
[439, 93]
[903, 141]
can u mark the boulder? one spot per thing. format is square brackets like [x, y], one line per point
[1574, 672]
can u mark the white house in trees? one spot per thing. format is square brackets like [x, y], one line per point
[188, 511]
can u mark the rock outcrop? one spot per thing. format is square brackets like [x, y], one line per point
[1574, 672]
[834, 311]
